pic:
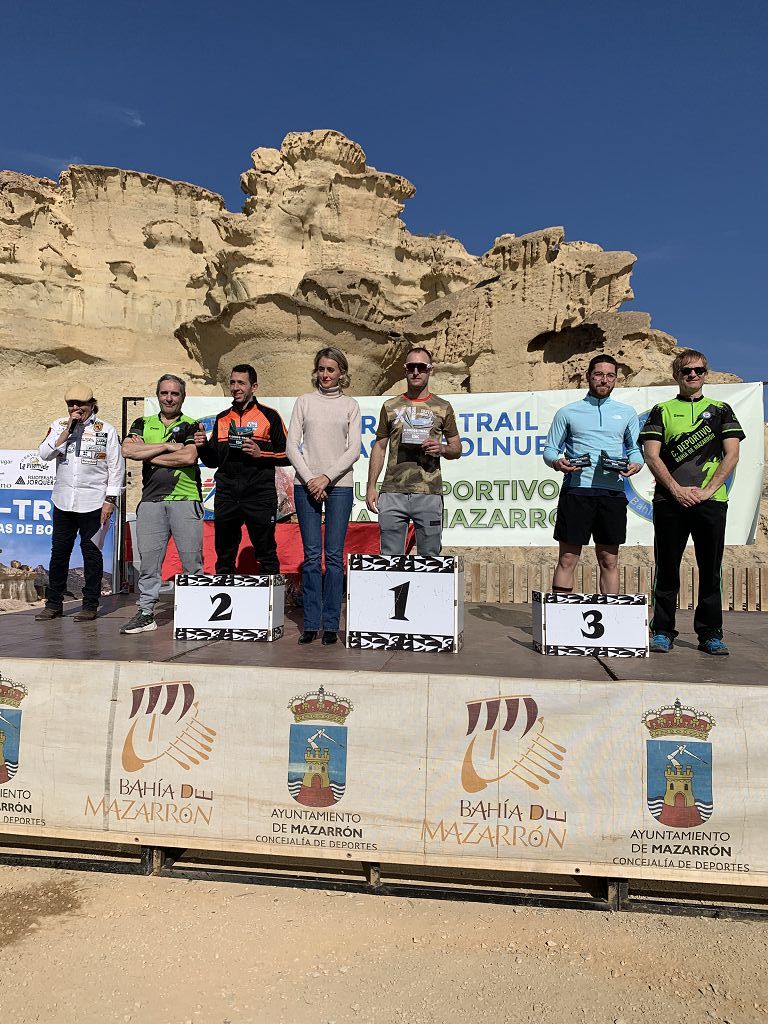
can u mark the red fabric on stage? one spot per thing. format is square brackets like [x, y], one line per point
[362, 538]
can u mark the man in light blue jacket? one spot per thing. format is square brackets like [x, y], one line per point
[594, 443]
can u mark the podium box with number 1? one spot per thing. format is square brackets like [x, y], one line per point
[607, 625]
[227, 606]
[405, 603]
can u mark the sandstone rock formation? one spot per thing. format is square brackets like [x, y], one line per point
[116, 276]
[95, 274]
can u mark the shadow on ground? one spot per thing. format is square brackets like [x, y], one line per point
[22, 911]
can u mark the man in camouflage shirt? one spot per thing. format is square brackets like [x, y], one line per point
[413, 425]
[691, 445]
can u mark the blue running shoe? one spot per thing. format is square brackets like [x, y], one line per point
[714, 645]
[661, 643]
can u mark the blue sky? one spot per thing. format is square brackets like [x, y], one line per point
[637, 126]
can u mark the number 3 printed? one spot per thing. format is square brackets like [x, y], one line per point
[596, 628]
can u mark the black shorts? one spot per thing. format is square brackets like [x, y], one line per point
[603, 516]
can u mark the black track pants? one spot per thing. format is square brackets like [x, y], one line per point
[672, 526]
[66, 526]
[235, 505]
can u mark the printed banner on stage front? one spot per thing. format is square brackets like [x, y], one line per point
[666, 781]
[26, 514]
[500, 493]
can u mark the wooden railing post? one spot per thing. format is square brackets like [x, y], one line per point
[744, 588]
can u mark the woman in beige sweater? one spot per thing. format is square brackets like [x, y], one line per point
[323, 445]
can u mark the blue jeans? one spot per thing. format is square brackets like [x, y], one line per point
[322, 594]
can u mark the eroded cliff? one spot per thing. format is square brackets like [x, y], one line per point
[117, 276]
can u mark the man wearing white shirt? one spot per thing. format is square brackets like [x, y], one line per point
[89, 478]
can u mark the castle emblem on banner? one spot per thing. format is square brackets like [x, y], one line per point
[317, 748]
[679, 768]
[165, 722]
[11, 696]
[508, 740]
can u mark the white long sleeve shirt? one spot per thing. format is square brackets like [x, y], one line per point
[89, 464]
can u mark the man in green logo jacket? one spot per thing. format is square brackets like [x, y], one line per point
[691, 445]
[171, 499]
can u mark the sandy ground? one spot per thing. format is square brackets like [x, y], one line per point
[101, 948]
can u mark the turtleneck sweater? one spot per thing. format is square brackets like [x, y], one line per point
[324, 436]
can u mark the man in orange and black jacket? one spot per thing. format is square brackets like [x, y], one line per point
[246, 444]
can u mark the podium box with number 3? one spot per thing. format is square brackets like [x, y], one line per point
[226, 606]
[608, 625]
[405, 603]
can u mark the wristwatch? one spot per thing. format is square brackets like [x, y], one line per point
[111, 498]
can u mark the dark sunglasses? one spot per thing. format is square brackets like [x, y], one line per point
[417, 367]
[698, 370]
[71, 401]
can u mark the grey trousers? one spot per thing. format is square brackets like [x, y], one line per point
[425, 511]
[156, 522]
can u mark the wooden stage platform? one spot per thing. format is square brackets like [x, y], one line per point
[497, 643]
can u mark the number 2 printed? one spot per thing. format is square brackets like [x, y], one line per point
[222, 611]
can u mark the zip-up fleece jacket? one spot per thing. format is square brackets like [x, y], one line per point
[592, 425]
[266, 427]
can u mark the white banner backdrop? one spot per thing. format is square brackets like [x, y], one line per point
[653, 780]
[501, 494]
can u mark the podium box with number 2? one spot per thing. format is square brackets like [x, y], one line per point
[226, 606]
[608, 625]
[405, 603]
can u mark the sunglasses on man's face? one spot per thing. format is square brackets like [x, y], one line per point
[417, 367]
[687, 371]
[71, 402]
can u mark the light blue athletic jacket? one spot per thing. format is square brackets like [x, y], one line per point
[593, 425]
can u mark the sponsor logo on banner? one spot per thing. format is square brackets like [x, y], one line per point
[317, 780]
[678, 794]
[11, 696]
[165, 723]
[17, 804]
[32, 461]
[679, 766]
[512, 733]
[317, 748]
[505, 743]
[165, 729]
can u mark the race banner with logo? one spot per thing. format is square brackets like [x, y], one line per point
[641, 780]
[500, 493]
[26, 515]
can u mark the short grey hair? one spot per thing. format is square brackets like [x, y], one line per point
[178, 380]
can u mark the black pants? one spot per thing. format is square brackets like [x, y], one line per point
[66, 526]
[672, 526]
[236, 504]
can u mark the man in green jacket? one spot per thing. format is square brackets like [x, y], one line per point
[691, 445]
[171, 500]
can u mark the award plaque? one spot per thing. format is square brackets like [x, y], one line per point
[618, 464]
[417, 427]
[238, 434]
